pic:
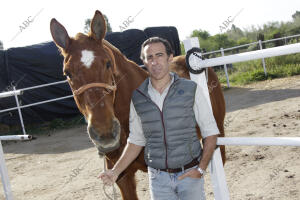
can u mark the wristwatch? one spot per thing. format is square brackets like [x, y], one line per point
[201, 171]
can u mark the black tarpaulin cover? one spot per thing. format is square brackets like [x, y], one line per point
[42, 63]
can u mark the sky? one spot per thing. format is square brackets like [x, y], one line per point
[27, 22]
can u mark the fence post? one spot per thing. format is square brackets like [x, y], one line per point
[4, 176]
[19, 111]
[225, 69]
[263, 59]
[200, 79]
[217, 175]
[285, 40]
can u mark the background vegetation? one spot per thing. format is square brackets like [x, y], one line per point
[247, 72]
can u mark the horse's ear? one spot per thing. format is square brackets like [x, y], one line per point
[59, 34]
[98, 26]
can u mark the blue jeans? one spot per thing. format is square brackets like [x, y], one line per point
[166, 186]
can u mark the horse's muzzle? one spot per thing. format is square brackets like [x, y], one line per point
[106, 141]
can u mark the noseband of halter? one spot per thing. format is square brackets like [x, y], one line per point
[112, 87]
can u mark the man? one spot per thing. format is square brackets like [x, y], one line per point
[164, 112]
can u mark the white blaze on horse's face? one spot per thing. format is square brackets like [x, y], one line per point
[87, 58]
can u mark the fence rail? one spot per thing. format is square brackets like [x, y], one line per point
[259, 141]
[222, 51]
[216, 169]
[249, 44]
[252, 55]
[18, 92]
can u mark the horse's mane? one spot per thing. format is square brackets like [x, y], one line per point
[118, 52]
[129, 63]
[105, 42]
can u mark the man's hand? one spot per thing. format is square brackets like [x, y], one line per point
[208, 150]
[108, 177]
[130, 153]
[193, 173]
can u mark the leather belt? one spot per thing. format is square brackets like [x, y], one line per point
[187, 166]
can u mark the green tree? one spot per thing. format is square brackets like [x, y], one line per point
[235, 36]
[204, 39]
[87, 25]
[243, 40]
[210, 43]
[296, 15]
[201, 34]
[294, 27]
[251, 33]
[223, 41]
[235, 33]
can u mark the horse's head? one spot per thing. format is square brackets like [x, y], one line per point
[90, 68]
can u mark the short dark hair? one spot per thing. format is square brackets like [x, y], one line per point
[151, 40]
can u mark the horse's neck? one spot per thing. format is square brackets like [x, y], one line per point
[130, 76]
[129, 73]
[127, 70]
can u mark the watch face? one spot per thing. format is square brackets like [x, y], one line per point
[193, 59]
[200, 170]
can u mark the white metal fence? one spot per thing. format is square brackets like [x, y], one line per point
[259, 43]
[3, 169]
[16, 92]
[215, 167]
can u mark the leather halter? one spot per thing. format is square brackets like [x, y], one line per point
[112, 87]
[80, 90]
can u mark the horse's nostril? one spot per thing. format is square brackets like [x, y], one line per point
[115, 134]
[102, 137]
[93, 134]
[99, 137]
[116, 129]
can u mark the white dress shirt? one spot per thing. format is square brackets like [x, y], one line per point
[202, 111]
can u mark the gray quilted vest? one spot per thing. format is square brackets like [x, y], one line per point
[171, 138]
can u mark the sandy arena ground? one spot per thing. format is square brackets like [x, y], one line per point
[64, 166]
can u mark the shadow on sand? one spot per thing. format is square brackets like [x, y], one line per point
[242, 98]
[63, 141]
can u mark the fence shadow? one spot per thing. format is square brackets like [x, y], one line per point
[63, 141]
[241, 98]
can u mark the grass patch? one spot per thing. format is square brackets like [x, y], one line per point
[252, 71]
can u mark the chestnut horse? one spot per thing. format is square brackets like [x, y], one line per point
[102, 80]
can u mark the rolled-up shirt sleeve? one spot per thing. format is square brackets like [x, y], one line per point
[136, 134]
[204, 115]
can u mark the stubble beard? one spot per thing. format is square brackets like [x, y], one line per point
[159, 74]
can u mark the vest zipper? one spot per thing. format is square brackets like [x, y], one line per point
[162, 120]
[165, 139]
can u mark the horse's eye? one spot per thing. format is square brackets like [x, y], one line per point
[68, 74]
[108, 64]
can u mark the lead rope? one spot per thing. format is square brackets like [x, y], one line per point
[113, 186]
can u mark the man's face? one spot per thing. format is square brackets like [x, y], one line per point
[156, 60]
